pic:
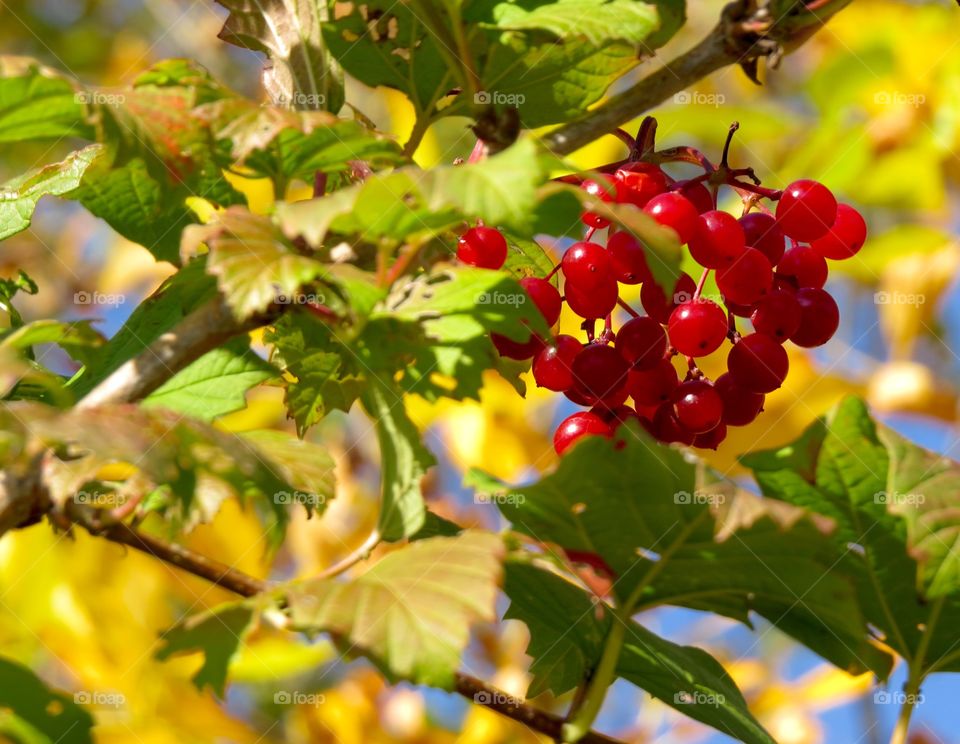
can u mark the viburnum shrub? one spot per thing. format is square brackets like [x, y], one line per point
[770, 263]
[364, 284]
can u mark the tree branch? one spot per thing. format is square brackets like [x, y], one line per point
[744, 34]
[475, 690]
[203, 330]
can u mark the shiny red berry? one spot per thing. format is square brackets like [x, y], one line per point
[806, 210]
[627, 258]
[697, 405]
[747, 279]
[697, 328]
[719, 241]
[642, 182]
[545, 296]
[586, 264]
[641, 342]
[658, 305]
[553, 366]
[845, 237]
[581, 424]
[805, 266]
[676, 212]
[593, 302]
[650, 387]
[482, 246]
[777, 315]
[819, 318]
[762, 232]
[758, 363]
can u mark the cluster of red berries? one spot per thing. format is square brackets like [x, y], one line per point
[770, 268]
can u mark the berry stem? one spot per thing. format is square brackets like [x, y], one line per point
[479, 152]
[625, 137]
[726, 145]
[701, 283]
[771, 194]
[589, 234]
[553, 272]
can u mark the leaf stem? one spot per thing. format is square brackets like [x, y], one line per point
[915, 678]
[575, 729]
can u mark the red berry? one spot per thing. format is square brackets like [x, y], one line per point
[593, 302]
[758, 363]
[586, 264]
[515, 349]
[719, 241]
[819, 318]
[777, 315]
[676, 212]
[606, 189]
[642, 182]
[553, 366]
[697, 405]
[627, 259]
[652, 386]
[641, 342]
[545, 296]
[482, 246]
[762, 232]
[740, 406]
[806, 210]
[845, 238]
[579, 425]
[667, 427]
[807, 267]
[711, 439]
[747, 279]
[697, 328]
[657, 305]
[599, 373]
[697, 194]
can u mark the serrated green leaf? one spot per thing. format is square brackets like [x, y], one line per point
[277, 142]
[411, 612]
[403, 462]
[19, 197]
[670, 538]
[596, 22]
[413, 205]
[255, 267]
[39, 103]
[306, 350]
[136, 205]
[218, 634]
[39, 714]
[215, 384]
[307, 466]
[895, 501]
[567, 629]
[300, 73]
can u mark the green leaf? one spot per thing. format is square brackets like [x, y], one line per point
[197, 464]
[403, 462]
[414, 205]
[19, 197]
[306, 466]
[306, 349]
[300, 72]
[136, 205]
[411, 612]
[670, 537]
[897, 503]
[215, 384]
[78, 338]
[286, 144]
[255, 267]
[567, 629]
[596, 22]
[39, 103]
[34, 714]
[176, 298]
[218, 633]
[550, 59]
[440, 324]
